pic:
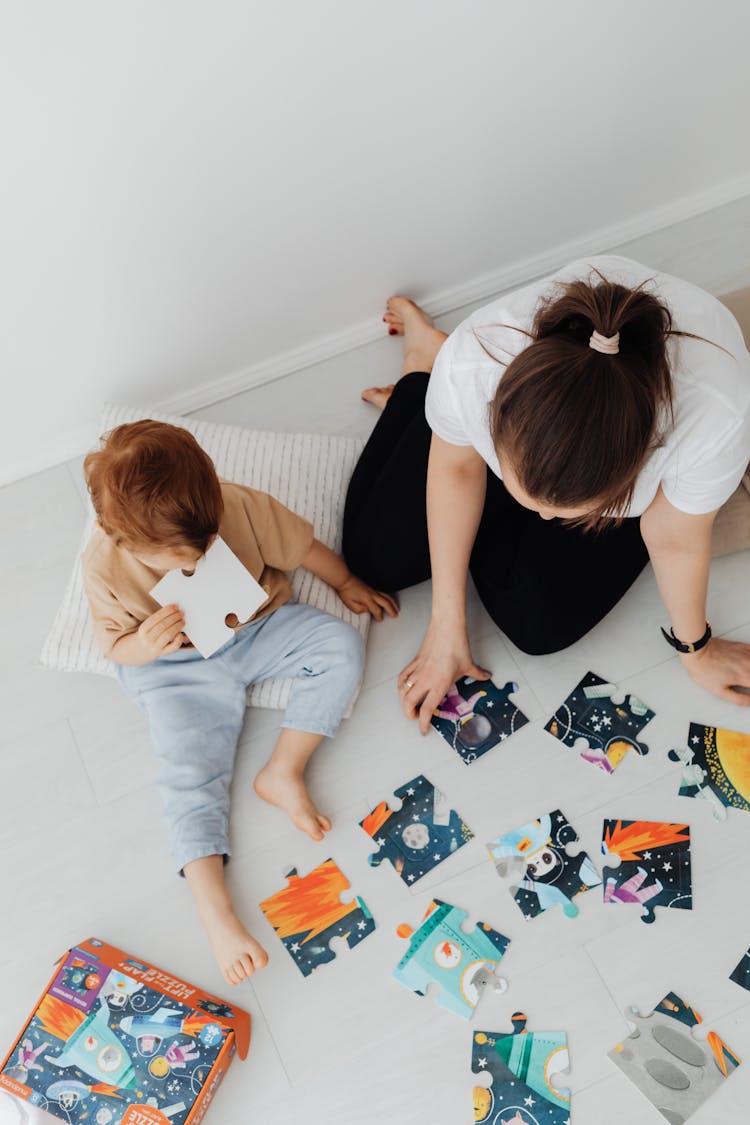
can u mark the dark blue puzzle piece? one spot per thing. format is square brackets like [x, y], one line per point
[420, 835]
[521, 1066]
[610, 729]
[476, 715]
[715, 768]
[741, 974]
[655, 868]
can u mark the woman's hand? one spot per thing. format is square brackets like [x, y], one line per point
[361, 598]
[444, 657]
[719, 667]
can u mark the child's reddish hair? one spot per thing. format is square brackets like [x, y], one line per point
[152, 484]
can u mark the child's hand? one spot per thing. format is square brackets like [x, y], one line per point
[161, 633]
[361, 598]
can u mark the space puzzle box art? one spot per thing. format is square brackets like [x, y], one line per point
[116, 1041]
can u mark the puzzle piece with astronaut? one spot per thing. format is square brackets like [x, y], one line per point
[655, 867]
[476, 715]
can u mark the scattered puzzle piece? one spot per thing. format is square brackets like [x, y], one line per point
[308, 913]
[589, 716]
[476, 715]
[741, 974]
[673, 1069]
[521, 1066]
[716, 768]
[551, 876]
[461, 963]
[219, 586]
[655, 868]
[420, 835]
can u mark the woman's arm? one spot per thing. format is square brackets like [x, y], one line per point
[456, 486]
[680, 549]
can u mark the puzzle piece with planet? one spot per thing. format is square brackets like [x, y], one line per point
[462, 963]
[476, 715]
[602, 730]
[715, 768]
[309, 912]
[424, 832]
[521, 1066]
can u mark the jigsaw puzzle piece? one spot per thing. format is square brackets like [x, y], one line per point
[741, 974]
[550, 876]
[418, 836]
[601, 730]
[219, 586]
[461, 963]
[655, 865]
[522, 1067]
[476, 715]
[715, 768]
[309, 912]
[675, 1071]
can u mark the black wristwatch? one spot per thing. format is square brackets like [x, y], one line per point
[682, 646]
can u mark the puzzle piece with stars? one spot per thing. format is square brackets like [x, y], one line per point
[715, 768]
[655, 865]
[521, 1066]
[550, 875]
[663, 1059]
[424, 832]
[741, 974]
[600, 729]
[476, 715]
[462, 963]
[309, 912]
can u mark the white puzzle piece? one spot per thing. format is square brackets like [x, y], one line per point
[219, 585]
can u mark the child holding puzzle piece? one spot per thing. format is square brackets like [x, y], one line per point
[160, 506]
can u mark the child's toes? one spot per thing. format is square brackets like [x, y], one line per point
[230, 976]
[324, 822]
[257, 954]
[247, 964]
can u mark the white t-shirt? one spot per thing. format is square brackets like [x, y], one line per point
[705, 452]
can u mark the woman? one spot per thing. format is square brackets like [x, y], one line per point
[573, 430]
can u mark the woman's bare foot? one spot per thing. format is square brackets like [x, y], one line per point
[422, 342]
[237, 953]
[287, 791]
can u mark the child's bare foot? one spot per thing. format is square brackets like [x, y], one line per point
[288, 792]
[422, 342]
[237, 953]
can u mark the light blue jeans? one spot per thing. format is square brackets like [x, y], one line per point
[195, 710]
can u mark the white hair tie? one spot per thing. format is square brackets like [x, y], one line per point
[608, 345]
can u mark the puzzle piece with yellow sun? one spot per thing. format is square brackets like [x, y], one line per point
[600, 725]
[715, 768]
[521, 1067]
[309, 912]
[440, 951]
[672, 1068]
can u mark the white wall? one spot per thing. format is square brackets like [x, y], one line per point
[191, 188]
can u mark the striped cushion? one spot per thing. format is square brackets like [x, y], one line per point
[307, 472]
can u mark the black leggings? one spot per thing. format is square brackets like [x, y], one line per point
[543, 583]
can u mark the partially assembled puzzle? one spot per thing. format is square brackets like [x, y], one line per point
[601, 729]
[671, 1067]
[418, 836]
[655, 865]
[522, 1066]
[537, 852]
[715, 768]
[461, 963]
[309, 912]
[476, 715]
[219, 587]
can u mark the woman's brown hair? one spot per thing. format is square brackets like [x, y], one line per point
[576, 424]
[152, 484]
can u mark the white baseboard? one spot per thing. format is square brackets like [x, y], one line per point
[482, 288]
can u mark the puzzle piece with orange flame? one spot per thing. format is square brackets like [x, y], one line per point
[655, 865]
[673, 1069]
[308, 913]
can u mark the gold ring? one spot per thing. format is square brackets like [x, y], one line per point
[409, 683]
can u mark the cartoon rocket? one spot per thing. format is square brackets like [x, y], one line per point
[151, 1030]
[95, 1049]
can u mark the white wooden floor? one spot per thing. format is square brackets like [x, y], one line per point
[83, 849]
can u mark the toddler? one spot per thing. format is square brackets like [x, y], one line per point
[159, 506]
